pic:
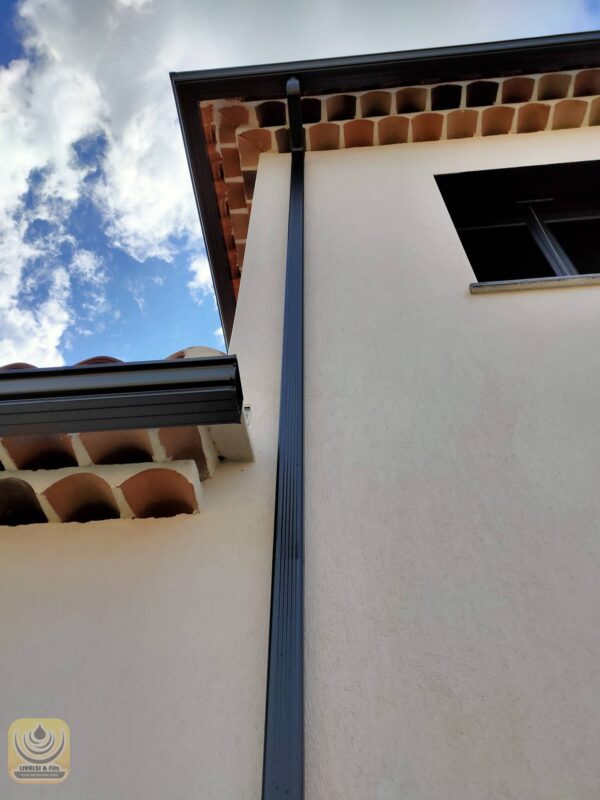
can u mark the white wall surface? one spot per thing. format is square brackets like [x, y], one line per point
[453, 510]
[149, 637]
[453, 543]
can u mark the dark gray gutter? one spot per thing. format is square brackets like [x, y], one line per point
[354, 73]
[385, 70]
[100, 397]
[283, 761]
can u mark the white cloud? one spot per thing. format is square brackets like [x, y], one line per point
[88, 266]
[137, 292]
[34, 335]
[87, 269]
[41, 113]
[201, 285]
[134, 3]
[218, 334]
[103, 68]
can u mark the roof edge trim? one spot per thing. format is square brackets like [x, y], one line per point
[104, 397]
[348, 73]
[381, 70]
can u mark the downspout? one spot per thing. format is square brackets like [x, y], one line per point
[283, 762]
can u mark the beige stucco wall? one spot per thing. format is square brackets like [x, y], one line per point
[452, 559]
[149, 637]
[453, 512]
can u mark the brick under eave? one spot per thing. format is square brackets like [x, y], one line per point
[236, 132]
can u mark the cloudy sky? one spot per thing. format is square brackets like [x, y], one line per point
[100, 245]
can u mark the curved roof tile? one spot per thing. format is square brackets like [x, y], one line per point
[186, 352]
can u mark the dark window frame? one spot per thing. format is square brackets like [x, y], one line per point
[528, 200]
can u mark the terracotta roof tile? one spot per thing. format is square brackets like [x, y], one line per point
[393, 130]
[427, 127]
[81, 477]
[568, 114]
[533, 117]
[463, 109]
[462, 124]
[497, 120]
[517, 90]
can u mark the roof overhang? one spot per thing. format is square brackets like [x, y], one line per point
[329, 76]
[115, 396]
[383, 70]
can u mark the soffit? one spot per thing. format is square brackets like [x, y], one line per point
[455, 94]
[237, 132]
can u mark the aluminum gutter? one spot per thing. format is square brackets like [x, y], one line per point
[384, 70]
[355, 73]
[283, 761]
[101, 397]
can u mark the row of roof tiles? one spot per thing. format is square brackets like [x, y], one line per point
[162, 445]
[399, 129]
[406, 100]
[79, 477]
[237, 133]
[110, 359]
[99, 493]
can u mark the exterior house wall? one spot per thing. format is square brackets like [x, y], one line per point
[149, 637]
[453, 548]
[452, 554]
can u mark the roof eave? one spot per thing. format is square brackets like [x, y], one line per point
[349, 73]
[383, 70]
[104, 397]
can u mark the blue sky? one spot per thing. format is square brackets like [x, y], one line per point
[10, 44]
[101, 251]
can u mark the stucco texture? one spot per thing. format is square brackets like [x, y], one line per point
[453, 535]
[149, 637]
[452, 542]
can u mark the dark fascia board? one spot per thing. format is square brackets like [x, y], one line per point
[385, 70]
[206, 202]
[102, 397]
[354, 73]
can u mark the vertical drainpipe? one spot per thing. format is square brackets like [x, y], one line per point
[283, 763]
